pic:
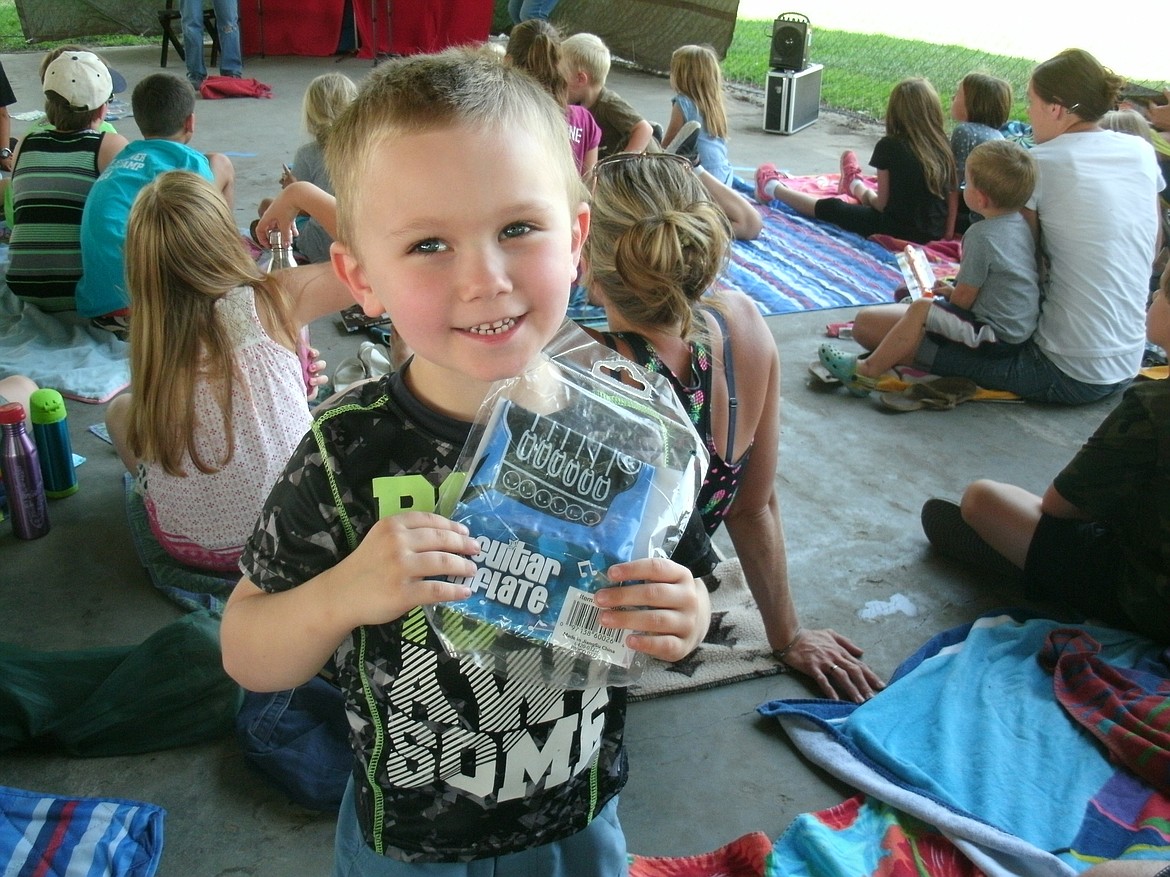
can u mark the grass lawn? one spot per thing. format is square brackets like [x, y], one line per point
[860, 69]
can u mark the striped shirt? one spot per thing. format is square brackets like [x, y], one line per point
[52, 178]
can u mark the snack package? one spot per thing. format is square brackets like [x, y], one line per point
[585, 461]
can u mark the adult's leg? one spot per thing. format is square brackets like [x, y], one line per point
[191, 12]
[117, 425]
[874, 323]
[227, 21]
[899, 344]
[1004, 515]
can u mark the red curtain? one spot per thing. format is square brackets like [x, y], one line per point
[402, 27]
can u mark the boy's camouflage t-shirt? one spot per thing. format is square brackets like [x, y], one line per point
[452, 761]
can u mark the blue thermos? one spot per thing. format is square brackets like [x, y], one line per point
[51, 433]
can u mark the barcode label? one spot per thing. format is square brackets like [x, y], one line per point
[583, 617]
[577, 628]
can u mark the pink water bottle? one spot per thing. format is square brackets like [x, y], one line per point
[21, 469]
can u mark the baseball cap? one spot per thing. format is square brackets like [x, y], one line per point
[82, 79]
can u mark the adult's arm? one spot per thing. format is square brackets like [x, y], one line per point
[756, 529]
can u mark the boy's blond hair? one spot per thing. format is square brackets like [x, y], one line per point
[586, 53]
[424, 93]
[1003, 171]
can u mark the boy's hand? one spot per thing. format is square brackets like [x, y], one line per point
[396, 566]
[670, 611]
[942, 289]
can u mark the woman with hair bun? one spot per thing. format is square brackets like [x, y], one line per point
[656, 247]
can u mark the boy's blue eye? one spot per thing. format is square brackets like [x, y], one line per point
[516, 229]
[431, 245]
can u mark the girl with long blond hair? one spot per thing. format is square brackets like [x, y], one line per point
[916, 194]
[218, 399]
[697, 80]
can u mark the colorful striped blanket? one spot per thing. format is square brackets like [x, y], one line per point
[969, 760]
[47, 836]
[801, 264]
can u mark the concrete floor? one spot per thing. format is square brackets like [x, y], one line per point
[705, 767]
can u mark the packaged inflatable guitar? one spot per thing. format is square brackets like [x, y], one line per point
[585, 461]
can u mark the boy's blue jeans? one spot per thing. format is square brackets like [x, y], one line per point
[596, 851]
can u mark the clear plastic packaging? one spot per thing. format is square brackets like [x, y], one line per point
[584, 461]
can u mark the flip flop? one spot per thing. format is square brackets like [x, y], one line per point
[939, 394]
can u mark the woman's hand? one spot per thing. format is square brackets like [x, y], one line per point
[834, 663]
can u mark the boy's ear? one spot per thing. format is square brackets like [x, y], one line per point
[350, 272]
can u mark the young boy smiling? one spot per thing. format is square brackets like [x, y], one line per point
[454, 767]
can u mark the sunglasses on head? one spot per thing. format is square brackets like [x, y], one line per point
[623, 157]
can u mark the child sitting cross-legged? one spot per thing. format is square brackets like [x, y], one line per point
[994, 304]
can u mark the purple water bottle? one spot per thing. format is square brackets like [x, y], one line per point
[22, 475]
[51, 434]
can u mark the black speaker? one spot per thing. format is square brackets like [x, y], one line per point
[791, 38]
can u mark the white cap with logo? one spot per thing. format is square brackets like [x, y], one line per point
[81, 78]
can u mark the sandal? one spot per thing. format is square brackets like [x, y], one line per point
[349, 372]
[843, 366]
[939, 394]
[375, 361]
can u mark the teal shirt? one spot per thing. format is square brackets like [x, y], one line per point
[102, 287]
